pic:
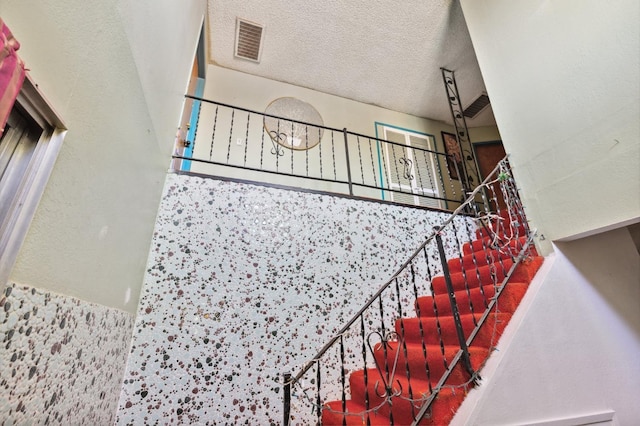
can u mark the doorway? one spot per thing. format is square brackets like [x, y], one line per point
[488, 155]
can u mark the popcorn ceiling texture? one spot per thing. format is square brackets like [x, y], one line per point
[246, 282]
[61, 360]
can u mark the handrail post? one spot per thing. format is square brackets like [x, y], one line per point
[454, 305]
[346, 153]
[287, 398]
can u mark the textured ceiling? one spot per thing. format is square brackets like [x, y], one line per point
[385, 53]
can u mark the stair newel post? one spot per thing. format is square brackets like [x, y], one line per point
[346, 154]
[466, 361]
[287, 398]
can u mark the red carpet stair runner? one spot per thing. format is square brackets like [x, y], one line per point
[475, 268]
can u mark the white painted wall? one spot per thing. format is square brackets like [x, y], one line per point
[564, 80]
[115, 71]
[577, 349]
[253, 92]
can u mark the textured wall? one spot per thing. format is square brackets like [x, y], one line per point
[105, 187]
[61, 359]
[245, 282]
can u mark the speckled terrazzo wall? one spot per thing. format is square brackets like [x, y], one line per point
[245, 282]
[61, 359]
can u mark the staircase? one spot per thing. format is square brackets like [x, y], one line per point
[411, 353]
[409, 367]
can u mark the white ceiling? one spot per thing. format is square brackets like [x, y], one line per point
[385, 53]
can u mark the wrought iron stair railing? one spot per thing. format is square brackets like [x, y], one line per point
[399, 365]
[233, 142]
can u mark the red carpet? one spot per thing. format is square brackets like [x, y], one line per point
[431, 341]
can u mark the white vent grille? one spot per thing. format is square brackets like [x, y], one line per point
[248, 40]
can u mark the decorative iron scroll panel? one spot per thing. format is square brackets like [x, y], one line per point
[470, 176]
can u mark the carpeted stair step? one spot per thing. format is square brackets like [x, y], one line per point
[476, 259]
[441, 412]
[409, 329]
[426, 368]
[509, 300]
[474, 283]
[352, 414]
[401, 409]
[483, 275]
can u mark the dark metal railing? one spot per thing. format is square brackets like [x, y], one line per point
[470, 168]
[369, 354]
[236, 142]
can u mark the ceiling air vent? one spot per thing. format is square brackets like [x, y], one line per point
[477, 106]
[248, 40]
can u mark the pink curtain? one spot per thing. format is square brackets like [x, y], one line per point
[12, 73]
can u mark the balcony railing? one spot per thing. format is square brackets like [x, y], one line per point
[234, 142]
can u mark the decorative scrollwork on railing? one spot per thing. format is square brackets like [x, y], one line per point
[408, 167]
[387, 376]
[277, 149]
[470, 172]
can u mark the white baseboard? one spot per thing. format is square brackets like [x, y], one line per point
[585, 419]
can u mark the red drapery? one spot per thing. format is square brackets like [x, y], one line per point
[12, 73]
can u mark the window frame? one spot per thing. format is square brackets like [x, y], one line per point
[415, 190]
[14, 229]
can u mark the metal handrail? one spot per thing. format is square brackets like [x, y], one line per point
[470, 199]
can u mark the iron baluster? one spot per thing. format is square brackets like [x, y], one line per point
[262, 147]
[360, 158]
[373, 166]
[466, 361]
[421, 329]
[198, 107]
[213, 133]
[287, 398]
[387, 377]
[343, 380]
[435, 311]
[291, 145]
[306, 151]
[384, 166]
[346, 152]
[464, 274]
[318, 386]
[230, 135]
[403, 344]
[475, 260]
[395, 164]
[277, 149]
[320, 150]
[364, 360]
[438, 171]
[246, 139]
[333, 154]
[418, 173]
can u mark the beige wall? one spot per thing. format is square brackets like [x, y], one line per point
[98, 67]
[565, 89]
